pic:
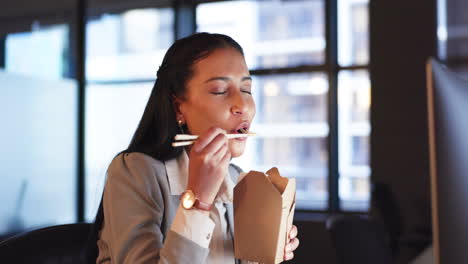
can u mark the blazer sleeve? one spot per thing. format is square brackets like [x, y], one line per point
[133, 214]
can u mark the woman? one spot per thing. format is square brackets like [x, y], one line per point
[203, 88]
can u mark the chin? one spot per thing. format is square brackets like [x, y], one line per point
[236, 148]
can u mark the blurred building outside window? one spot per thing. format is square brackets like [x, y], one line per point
[292, 121]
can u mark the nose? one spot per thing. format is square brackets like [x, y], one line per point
[240, 105]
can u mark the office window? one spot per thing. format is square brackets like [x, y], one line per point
[272, 33]
[124, 52]
[293, 122]
[38, 110]
[287, 45]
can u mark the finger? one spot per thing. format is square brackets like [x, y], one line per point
[206, 138]
[219, 155]
[293, 244]
[227, 157]
[215, 145]
[293, 232]
[289, 256]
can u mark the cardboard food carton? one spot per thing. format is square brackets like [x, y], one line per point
[264, 206]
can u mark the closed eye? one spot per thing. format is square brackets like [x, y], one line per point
[219, 93]
[246, 89]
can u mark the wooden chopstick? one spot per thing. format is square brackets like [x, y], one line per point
[191, 138]
[182, 143]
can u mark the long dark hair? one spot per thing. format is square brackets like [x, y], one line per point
[158, 125]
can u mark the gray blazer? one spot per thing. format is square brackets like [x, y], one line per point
[139, 210]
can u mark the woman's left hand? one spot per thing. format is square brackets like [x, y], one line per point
[292, 244]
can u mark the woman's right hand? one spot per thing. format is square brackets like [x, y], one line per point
[209, 159]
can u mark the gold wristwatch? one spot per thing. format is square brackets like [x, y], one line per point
[189, 201]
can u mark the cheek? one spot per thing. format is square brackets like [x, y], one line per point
[215, 116]
[201, 117]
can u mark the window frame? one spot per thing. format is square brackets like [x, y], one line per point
[185, 24]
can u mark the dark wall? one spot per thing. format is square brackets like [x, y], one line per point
[315, 244]
[402, 37]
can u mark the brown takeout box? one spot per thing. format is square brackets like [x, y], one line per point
[264, 206]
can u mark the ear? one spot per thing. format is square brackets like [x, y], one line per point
[176, 103]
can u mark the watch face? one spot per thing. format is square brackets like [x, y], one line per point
[188, 199]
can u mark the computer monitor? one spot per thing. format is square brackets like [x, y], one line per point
[448, 145]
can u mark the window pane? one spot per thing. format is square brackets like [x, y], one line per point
[272, 33]
[128, 46]
[39, 120]
[112, 116]
[354, 131]
[353, 32]
[292, 129]
[41, 53]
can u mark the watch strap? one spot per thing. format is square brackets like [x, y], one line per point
[197, 203]
[202, 206]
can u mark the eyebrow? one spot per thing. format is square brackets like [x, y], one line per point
[225, 79]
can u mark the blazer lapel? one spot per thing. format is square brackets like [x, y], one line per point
[233, 173]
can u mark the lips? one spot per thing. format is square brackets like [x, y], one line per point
[243, 125]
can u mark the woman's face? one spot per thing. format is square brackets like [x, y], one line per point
[219, 95]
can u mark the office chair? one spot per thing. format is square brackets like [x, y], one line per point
[62, 244]
[358, 240]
